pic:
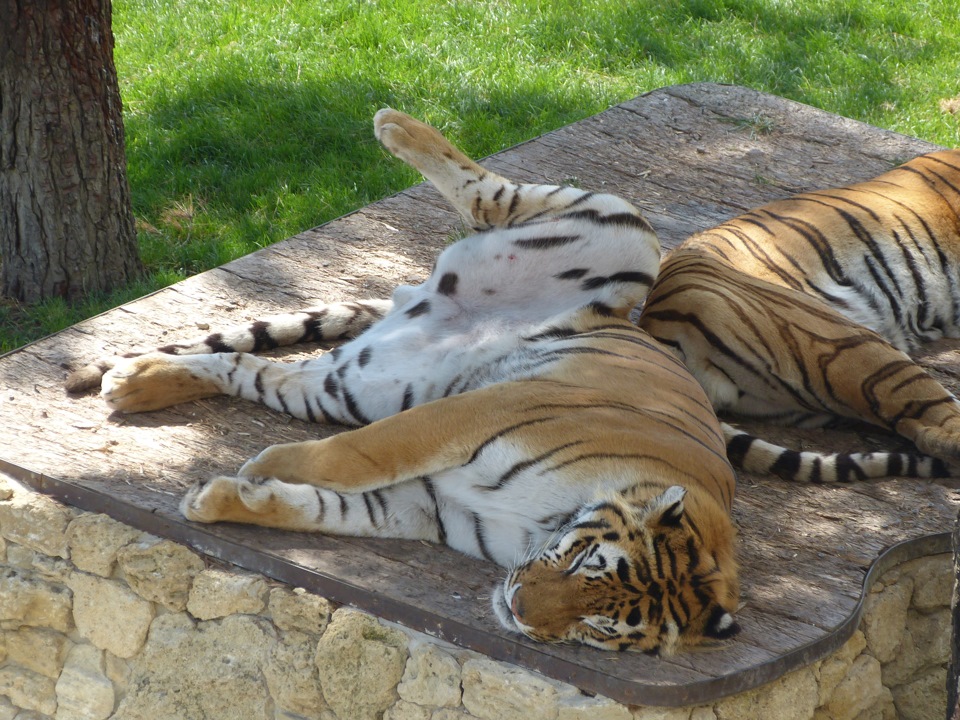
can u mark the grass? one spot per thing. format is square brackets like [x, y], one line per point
[249, 121]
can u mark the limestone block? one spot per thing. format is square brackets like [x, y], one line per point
[28, 600]
[703, 713]
[38, 649]
[7, 710]
[28, 690]
[451, 714]
[217, 593]
[291, 675]
[95, 540]
[924, 698]
[43, 566]
[84, 692]
[360, 663]
[497, 691]
[932, 581]
[404, 710]
[299, 610]
[660, 713]
[885, 616]
[199, 671]
[883, 709]
[160, 571]
[431, 678]
[109, 614]
[860, 690]
[118, 670]
[35, 521]
[792, 697]
[834, 668]
[581, 707]
[926, 642]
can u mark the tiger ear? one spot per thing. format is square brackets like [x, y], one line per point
[667, 507]
[721, 625]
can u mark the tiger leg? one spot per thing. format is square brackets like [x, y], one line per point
[323, 323]
[418, 442]
[154, 381]
[407, 511]
[484, 199]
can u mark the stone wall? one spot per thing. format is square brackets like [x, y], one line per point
[99, 620]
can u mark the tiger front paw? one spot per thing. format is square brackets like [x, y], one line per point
[151, 382]
[226, 499]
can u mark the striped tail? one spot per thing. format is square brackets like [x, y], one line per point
[751, 454]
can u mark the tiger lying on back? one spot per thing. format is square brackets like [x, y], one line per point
[802, 310]
[512, 413]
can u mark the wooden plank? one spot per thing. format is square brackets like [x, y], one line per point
[689, 156]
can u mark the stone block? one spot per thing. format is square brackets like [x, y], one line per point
[84, 692]
[38, 649]
[299, 610]
[792, 697]
[160, 571]
[581, 707]
[217, 593]
[656, 713]
[926, 642]
[924, 698]
[497, 691]
[28, 600]
[291, 675]
[109, 614]
[835, 667]
[54, 569]
[404, 710]
[8, 711]
[360, 663]
[200, 670]
[858, 691]
[28, 690]
[884, 618]
[431, 678]
[35, 521]
[932, 581]
[95, 540]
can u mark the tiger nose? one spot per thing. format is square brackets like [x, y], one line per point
[515, 607]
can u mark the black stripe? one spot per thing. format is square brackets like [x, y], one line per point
[438, 518]
[574, 274]
[262, 340]
[627, 276]
[481, 537]
[447, 285]
[419, 309]
[546, 243]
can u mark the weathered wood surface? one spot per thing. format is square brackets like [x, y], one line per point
[689, 156]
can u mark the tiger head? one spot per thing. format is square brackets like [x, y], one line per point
[622, 575]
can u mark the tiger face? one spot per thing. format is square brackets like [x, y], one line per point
[623, 576]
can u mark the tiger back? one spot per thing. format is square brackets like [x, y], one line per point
[803, 310]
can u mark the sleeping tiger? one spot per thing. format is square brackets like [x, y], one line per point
[508, 409]
[803, 310]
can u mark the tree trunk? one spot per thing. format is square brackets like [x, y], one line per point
[66, 225]
[953, 671]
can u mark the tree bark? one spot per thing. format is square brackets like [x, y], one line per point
[66, 224]
[953, 671]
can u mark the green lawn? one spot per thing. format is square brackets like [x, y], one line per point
[249, 121]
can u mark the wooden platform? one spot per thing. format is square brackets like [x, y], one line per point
[689, 156]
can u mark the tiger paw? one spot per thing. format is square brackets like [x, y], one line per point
[939, 443]
[421, 146]
[151, 382]
[226, 498]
